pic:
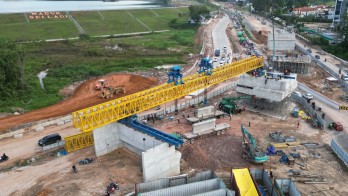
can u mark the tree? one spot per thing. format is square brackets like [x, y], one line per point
[196, 11]
[261, 5]
[11, 68]
[345, 31]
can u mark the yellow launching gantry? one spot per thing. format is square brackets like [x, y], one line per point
[99, 115]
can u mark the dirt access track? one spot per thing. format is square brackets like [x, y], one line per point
[85, 96]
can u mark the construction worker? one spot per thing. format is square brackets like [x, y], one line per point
[298, 124]
[271, 174]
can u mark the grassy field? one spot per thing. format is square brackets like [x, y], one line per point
[77, 60]
[18, 27]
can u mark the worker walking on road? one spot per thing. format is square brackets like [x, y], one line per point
[298, 124]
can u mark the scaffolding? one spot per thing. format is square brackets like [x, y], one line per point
[296, 64]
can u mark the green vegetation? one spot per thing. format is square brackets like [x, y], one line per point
[75, 60]
[23, 27]
[196, 11]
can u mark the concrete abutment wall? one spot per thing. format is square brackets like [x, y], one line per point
[159, 160]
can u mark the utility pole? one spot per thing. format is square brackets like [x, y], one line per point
[273, 33]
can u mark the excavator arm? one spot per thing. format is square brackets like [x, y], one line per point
[245, 133]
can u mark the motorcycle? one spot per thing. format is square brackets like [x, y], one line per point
[74, 169]
[3, 158]
[111, 188]
[86, 161]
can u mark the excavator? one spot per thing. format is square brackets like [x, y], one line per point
[252, 152]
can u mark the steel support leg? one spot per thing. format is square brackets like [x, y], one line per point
[176, 111]
[205, 101]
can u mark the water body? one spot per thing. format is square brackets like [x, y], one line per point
[20, 6]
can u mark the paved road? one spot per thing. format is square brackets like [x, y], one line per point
[331, 62]
[220, 38]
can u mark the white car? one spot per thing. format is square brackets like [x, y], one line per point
[308, 96]
[215, 59]
[223, 61]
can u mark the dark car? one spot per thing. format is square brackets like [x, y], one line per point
[217, 52]
[309, 50]
[50, 139]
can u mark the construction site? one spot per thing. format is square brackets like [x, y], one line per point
[244, 127]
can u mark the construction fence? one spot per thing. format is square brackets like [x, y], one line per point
[262, 176]
[340, 147]
[191, 102]
[173, 181]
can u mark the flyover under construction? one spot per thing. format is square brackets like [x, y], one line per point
[97, 116]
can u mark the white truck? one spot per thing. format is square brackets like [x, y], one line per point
[205, 113]
[204, 128]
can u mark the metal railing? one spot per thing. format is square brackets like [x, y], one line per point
[325, 67]
[318, 96]
[314, 114]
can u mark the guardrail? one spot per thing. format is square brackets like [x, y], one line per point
[326, 68]
[319, 96]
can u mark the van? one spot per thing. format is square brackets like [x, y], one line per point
[50, 139]
[217, 52]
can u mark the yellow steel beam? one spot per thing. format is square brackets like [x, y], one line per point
[105, 113]
[79, 141]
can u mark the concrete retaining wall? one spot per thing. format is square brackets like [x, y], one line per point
[203, 126]
[106, 139]
[136, 141]
[36, 126]
[160, 162]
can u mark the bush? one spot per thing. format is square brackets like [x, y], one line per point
[84, 36]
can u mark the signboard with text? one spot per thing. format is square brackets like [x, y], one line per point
[46, 15]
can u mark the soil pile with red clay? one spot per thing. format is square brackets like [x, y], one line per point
[85, 96]
[215, 152]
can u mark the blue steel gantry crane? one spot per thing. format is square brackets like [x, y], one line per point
[175, 75]
[206, 66]
[254, 153]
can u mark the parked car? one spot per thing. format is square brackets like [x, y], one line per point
[308, 96]
[336, 125]
[215, 59]
[50, 139]
[296, 93]
[317, 56]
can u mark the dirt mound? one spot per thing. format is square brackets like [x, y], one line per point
[85, 96]
[215, 152]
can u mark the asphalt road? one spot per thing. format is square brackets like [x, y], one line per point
[220, 39]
